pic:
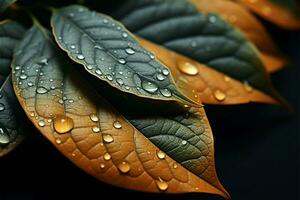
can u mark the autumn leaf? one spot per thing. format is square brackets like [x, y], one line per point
[241, 18]
[111, 53]
[11, 132]
[284, 13]
[206, 40]
[137, 155]
[4, 4]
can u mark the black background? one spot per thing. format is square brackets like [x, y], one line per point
[257, 151]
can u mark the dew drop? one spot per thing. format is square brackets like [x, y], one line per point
[72, 46]
[122, 61]
[23, 76]
[212, 19]
[108, 138]
[124, 35]
[17, 67]
[41, 123]
[30, 84]
[102, 166]
[127, 87]
[4, 138]
[161, 184]
[152, 56]
[248, 87]
[117, 125]
[124, 167]
[89, 67]
[94, 118]
[41, 90]
[96, 129]
[194, 44]
[184, 142]
[80, 57]
[227, 79]
[120, 81]
[58, 141]
[44, 61]
[188, 68]
[160, 77]
[32, 114]
[175, 166]
[63, 124]
[130, 51]
[107, 156]
[109, 77]
[165, 72]
[219, 95]
[166, 92]
[149, 87]
[161, 155]
[2, 107]
[98, 72]
[105, 21]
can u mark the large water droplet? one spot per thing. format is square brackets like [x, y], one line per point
[149, 87]
[109, 77]
[117, 125]
[98, 72]
[161, 155]
[4, 138]
[161, 184]
[122, 61]
[2, 107]
[160, 77]
[166, 92]
[41, 90]
[188, 68]
[130, 51]
[63, 124]
[219, 95]
[108, 138]
[94, 118]
[165, 72]
[96, 129]
[124, 167]
[80, 57]
[107, 156]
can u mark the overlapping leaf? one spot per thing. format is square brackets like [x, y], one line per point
[4, 4]
[10, 129]
[284, 13]
[107, 50]
[241, 18]
[206, 39]
[86, 129]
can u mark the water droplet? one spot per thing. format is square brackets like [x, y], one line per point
[194, 44]
[165, 72]
[219, 95]
[130, 51]
[98, 72]
[80, 57]
[212, 19]
[72, 46]
[32, 114]
[41, 90]
[152, 56]
[105, 21]
[107, 156]
[120, 81]
[160, 77]
[2, 107]
[52, 87]
[117, 125]
[109, 77]
[127, 87]
[63, 124]
[122, 61]
[175, 166]
[188, 68]
[248, 87]
[96, 129]
[17, 67]
[184, 142]
[30, 84]
[89, 67]
[149, 87]
[227, 78]
[23, 76]
[108, 138]
[98, 47]
[161, 155]
[4, 138]
[41, 123]
[162, 185]
[102, 166]
[58, 141]
[166, 92]
[124, 167]
[94, 118]
[44, 61]
[124, 35]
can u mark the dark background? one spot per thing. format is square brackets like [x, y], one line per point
[257, 151]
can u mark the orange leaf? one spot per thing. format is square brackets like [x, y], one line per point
[249, 25]
[205, 83]
[274, 13]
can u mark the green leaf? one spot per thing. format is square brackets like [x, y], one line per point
[207, 39]
[11, 132]
[4, 4]
[99, 139]
[111, 53]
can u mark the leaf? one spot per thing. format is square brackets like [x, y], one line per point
[241, 18]
[207, 39]
[111, 53]
[11, 133]
[87, 130]
[283, 13]
[4, 4]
